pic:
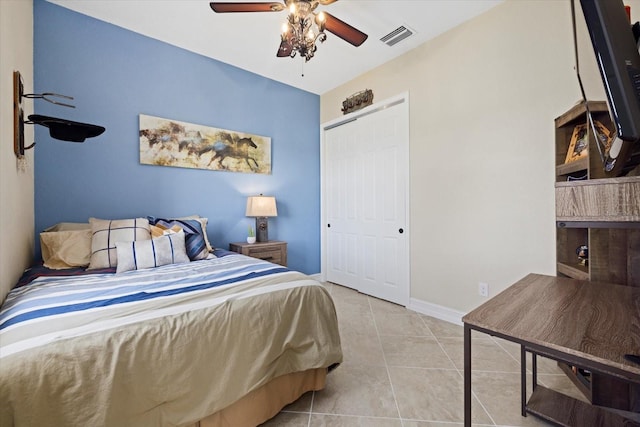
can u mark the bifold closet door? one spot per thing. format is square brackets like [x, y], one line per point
[366, 176]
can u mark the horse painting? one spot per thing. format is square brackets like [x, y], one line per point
[170, 143]
[239, 150]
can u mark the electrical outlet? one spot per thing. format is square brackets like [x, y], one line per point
[483, 289]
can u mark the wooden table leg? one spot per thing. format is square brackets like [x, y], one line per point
[467, 376]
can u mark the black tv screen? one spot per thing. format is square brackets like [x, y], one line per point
[619, 62]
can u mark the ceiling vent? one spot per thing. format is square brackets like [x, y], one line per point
[397, 35]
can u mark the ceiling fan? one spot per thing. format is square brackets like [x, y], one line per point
[303, 27]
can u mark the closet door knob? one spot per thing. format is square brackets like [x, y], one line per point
[401, 231]
[328, 225]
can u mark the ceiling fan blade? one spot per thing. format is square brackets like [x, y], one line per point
[284, 49]
[227, 7]
[343, 30]
[326, 2]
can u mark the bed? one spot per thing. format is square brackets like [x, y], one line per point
[223, 341]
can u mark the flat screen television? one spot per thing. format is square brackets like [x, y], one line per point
[616, 50]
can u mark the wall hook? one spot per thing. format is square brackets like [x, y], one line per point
[46, 96]
[62, 129]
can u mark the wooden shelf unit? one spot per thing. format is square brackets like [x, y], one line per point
[589, 166]
[601, 213]
[604, 214]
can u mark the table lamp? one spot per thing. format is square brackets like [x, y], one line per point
[261, 207]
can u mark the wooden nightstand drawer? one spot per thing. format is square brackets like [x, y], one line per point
[266, 254]
[272, 251]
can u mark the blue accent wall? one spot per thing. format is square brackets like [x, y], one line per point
[115, 75]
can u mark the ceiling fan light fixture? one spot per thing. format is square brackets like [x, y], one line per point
[303, 27]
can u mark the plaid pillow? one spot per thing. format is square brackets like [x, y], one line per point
[105, 234]
[193, 235]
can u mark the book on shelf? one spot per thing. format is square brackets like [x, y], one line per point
[578, 145]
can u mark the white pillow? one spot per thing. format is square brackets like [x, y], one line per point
[107, 232]
[163, 250]
[66, 249]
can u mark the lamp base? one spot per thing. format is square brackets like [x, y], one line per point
[262, 229]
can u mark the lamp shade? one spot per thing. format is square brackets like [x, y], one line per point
[261, 206]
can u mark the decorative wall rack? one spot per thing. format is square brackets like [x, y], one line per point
[62, 129]
[357, 101]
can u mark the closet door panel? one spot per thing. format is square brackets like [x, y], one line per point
[366, 165]
[341, 210]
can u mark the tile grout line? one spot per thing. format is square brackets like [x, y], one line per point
[541, 375]
[458, 371]
[511, 355]
[313, 395]
[386, 365]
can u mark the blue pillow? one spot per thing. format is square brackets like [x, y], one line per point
[194, 236]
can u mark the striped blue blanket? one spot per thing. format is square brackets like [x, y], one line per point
[29, 310]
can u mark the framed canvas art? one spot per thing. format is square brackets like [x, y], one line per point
[165, 142]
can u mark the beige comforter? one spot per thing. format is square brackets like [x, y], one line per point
[166, 361]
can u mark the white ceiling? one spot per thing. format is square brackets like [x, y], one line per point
[250, 40]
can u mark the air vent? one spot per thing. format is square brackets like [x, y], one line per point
[397, 35]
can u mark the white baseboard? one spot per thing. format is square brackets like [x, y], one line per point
[437, 311]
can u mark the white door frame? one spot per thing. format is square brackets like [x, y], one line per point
[398, 99]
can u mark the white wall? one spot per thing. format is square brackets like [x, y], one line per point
[483, 98]
[16, 176]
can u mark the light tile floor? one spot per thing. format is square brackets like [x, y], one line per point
[404, 369]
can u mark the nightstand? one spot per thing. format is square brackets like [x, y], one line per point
[273, 251]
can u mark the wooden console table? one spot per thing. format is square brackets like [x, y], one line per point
[586, 324]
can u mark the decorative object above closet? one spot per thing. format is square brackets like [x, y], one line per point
[62, 129]
[358, 100]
